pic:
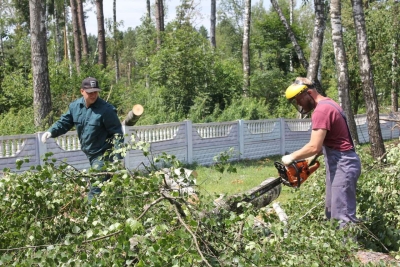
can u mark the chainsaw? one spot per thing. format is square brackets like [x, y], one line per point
[260, 196]
[297, 172]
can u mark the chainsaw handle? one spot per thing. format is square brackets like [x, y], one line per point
[312, 159]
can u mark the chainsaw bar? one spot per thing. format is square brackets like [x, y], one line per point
[258, 196]
[261, 189]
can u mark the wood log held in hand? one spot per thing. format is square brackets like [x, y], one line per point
[133, 116]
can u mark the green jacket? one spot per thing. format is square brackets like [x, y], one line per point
[96, 126]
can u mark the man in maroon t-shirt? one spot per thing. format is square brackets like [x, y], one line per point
[330, 135]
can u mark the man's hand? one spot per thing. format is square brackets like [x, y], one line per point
[287, 159]
[46, 136]
[311, 159]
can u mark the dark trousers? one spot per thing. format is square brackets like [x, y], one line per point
[97, 163]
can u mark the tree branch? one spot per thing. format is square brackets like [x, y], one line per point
[192, 234]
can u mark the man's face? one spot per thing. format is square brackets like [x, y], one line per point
[306, 102]
[90, 98]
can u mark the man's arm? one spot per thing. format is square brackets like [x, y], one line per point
[114, 128]
[313, 147]
[63, 125]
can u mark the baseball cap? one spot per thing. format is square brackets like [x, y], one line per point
[90, 85]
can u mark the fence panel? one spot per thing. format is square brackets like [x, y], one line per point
[297, 133]
[188, 142]
[362, 128]
[169, 138]
[210, 139]
[262, 138]
[386, 127]
[66, 148]
[18, 147]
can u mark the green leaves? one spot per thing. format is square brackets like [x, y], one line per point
[134, 220]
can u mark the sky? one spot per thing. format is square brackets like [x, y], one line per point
[131, 11]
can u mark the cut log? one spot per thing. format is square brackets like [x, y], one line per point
[133, 115]
[280, 212]
[282, 217]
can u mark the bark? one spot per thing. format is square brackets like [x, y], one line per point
[317, 42]
[342, 72]
[67, 50]
[367, 80]
[148, 9]
[40, 73]
[291, 35]
[82, 29]
[291, 5]
[101, 34]
[297, 47]
[159, 21]
[394, 93]
[75, 29]
[58, 37]
[246, 47]
[116, 56]
[213, 20]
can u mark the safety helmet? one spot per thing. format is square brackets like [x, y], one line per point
[295, 89]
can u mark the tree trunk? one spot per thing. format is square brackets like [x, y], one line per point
[316, 46]
[67, 50]
[57, 37]
[291, 5]
[159, 21]
[394, 93]
[246, 48]
[291, 35]
[40, 73]
[213, 20]
[367, 80]
[115, 32]
[82, 29]
[148, 9]
[75, 29]
[341, 67]
[101, 34]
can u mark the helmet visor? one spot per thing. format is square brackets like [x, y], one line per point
[303, 102]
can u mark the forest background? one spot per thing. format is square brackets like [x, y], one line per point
[237, 69]
[177, 73]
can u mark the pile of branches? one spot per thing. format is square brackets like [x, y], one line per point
[139, 219]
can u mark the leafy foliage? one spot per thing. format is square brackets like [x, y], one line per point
[138, 220]
[17, 122]
[379, 199]
[185, 68]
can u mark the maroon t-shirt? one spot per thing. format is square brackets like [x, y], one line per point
[328, 117]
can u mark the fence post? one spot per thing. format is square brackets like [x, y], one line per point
[41, 147]
[126, 138]
[241, 138]
[189, 141]
[282, 134]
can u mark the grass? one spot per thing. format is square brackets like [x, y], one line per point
[249, 173]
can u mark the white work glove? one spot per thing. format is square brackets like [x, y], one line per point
[46, 136]
[287, 159]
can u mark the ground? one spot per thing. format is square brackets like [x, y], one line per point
[375, 257]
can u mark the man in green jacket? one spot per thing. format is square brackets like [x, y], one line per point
[97, 124]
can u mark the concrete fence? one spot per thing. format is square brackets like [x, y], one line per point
[189, 142]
